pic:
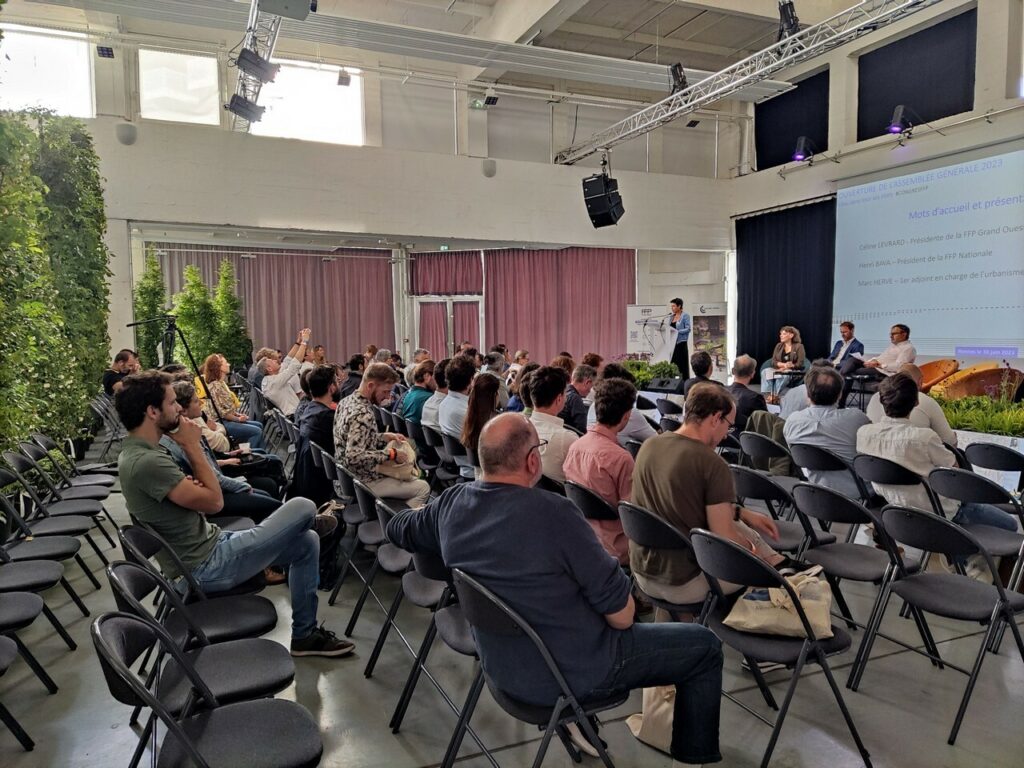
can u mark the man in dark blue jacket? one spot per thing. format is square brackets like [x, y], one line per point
[846, 346]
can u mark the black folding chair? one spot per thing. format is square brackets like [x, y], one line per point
[366, 531]
[551, 485]
[270, 733]
[48, 444]
[63, 479]
[793, 536]
[589, 503]
[814, 458]
[633, 446]
[668, 408]
[489, 614]
[17, 611]
[759, 448]
[875, 469]
[949, 595]
[8, 652]
[724, 560]
[669, 424]
[997, 457]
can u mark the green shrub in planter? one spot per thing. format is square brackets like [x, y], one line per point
[150, 298]
[985, 415]
[664, 370]
[641, 370]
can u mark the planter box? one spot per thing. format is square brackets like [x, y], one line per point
[1008, 480]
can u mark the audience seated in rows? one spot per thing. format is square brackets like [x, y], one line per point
[158, 494]
[126, 362]
[598, 462]
[536, 552]
[316, 425]
[215, 370]
[701, 364]
[927, 413]
[411, 405]
[419, 355]
[574, 412]
[281, 378]
[547, 392]
[825, 425]
[355, 366]
[431, 406]
[494, 364]
[747, 400]
[482, 407]
[517, 402]
[637, 428]
[451, 413]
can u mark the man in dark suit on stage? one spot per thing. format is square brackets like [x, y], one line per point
[846, 346]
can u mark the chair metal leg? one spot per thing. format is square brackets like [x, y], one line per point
[570, 748]
[74, 596]
[590, 732]
[785, 705]
[926, 636]
[464, 717]
[15, 727]
[345, 568]
[384, 630]
[103, 529]
[866, 643]
[362, 598]
[34, 665]
[842, 706]
[414, 676]
[88, 573]
[993, 625]
[140, 748]
[766, 692]
[96, 549]
[55, 622]
[546, 740]
[837, 593]
[1013, 584]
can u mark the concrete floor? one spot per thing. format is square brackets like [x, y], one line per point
[904, 709]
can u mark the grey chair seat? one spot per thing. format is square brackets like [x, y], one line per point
[791, 536]
[223, 619]
[238, 671]
[271, 733]
[787, 482]
[18, 610]
[540, 715]
[392, 559]
[455, 630]
[104, 481]
[8, 653]
[74, 507]
[67, 525]
[424, 592]
[776, 648]
[856, 562]
[352, 515]
[953, 596]
[370, 534]
[94, 492]
[48, 548]
[998, 542]
[30, 576]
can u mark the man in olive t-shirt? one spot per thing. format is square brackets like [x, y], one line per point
[679, 477]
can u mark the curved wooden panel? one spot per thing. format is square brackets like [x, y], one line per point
[990, 383]
[940, 388]
[936, 371]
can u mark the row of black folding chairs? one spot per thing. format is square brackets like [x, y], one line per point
[39, 529]
[102, 407]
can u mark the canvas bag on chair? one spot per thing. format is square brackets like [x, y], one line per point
[771, 612]
[407, 470]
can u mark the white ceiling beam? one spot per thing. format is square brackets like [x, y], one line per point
[642, 38]
[459, 7]
[809, 11]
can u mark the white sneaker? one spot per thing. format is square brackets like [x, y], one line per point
[978, 569]
[578, 739]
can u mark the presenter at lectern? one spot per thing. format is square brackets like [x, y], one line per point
[681, 322]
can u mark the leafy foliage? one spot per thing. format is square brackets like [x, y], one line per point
[983, 414]
[664, 370]
[641, 370]
[232, 335]
[197, 317]
[150, 298]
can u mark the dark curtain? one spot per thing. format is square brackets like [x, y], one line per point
[785, 264]
[931, 71]
[779, 122]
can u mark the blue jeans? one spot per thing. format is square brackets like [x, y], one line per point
[284, 538]
[688, 656]
[971, 513]
[250, 432]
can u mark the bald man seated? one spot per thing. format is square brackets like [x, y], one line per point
[536, 551]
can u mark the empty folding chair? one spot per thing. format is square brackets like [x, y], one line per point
[62, 477]
[948, 595]
[762, 449]
[268, 733]
[112, 427]
[814, 458]
[997, 457]
[668, 408]
[487, 613]
[17, 611]
[793, 536]
[430, 458]
[724, 560]
[101, 468]
[8, 652]
[49, 487]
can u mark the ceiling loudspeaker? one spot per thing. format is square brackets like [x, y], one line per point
[126, 133]
[290, 9]
[604, 203]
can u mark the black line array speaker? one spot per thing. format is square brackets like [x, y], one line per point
[604, 203]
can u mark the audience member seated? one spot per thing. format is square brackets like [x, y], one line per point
[359, 446]
[306, 399]
[681, 479]
[255, 376]
[418, 356]
[825, 425]
[547, 392]
[126, 362]
[534, 550]
[598, 462]
[494, 364]
[565, 362]
[795, 398]
[637, 428]
[927, 413]
[517, 402]
[482, 407]
[280, 379]
[846, 347]
[411, 405]
[175, 506]
[316, 425]
[215, 371]
[355, 365]
[432, 405]
[747, 400]
[594, 360]
[899, 352]
[920, 450]
[521, 358]
[451, 414]
[574, 412]
[702, 365]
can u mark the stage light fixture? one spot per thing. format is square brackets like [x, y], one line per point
[789, 24]
[804, 150]
[900, 123]
[344, 78]
[679, 82]
[256, 66]
[245, 109]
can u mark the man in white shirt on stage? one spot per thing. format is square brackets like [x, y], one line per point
[899, 352]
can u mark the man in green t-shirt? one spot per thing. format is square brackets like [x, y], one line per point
[174, 505]
[679, 477]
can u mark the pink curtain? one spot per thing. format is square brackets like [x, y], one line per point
[445, 273]
[466, 322]
[434, 329]
[347, 302]
[547, 301]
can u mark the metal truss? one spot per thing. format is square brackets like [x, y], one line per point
[815, 40]
[260, 37]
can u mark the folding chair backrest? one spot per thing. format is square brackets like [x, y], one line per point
[668, 424]
[633, 446]
[19, 467]
[878, 470]
[366, 500]
[644, 404]
[132, 584]
[823, 503]
[316, 454]
[590, 504]
[667, 408]
[551, 485]
[928, 532]
[46, 443]
[325, 462]
[7, 515]
[758, 446]
[452, 445]
[646, 529]
[964, 485]
[401, 425]
[378, 416]
[816, 458]
[727, 561]
[992, 456]
[431, 566]
[751, 484]
[345, 479]
[140, 545]
[961, 457]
